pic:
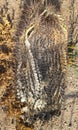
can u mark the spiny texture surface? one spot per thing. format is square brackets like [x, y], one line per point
[40, 70]
[32, 61]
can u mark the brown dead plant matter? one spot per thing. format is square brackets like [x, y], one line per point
[32, 65]
[7, 65]
[42, 71]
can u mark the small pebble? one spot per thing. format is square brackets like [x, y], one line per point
[70, 124]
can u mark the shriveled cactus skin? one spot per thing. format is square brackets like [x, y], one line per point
[40, 75]
[36, 63]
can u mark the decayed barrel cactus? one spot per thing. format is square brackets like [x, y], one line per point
[40, 72]
[35, 60]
